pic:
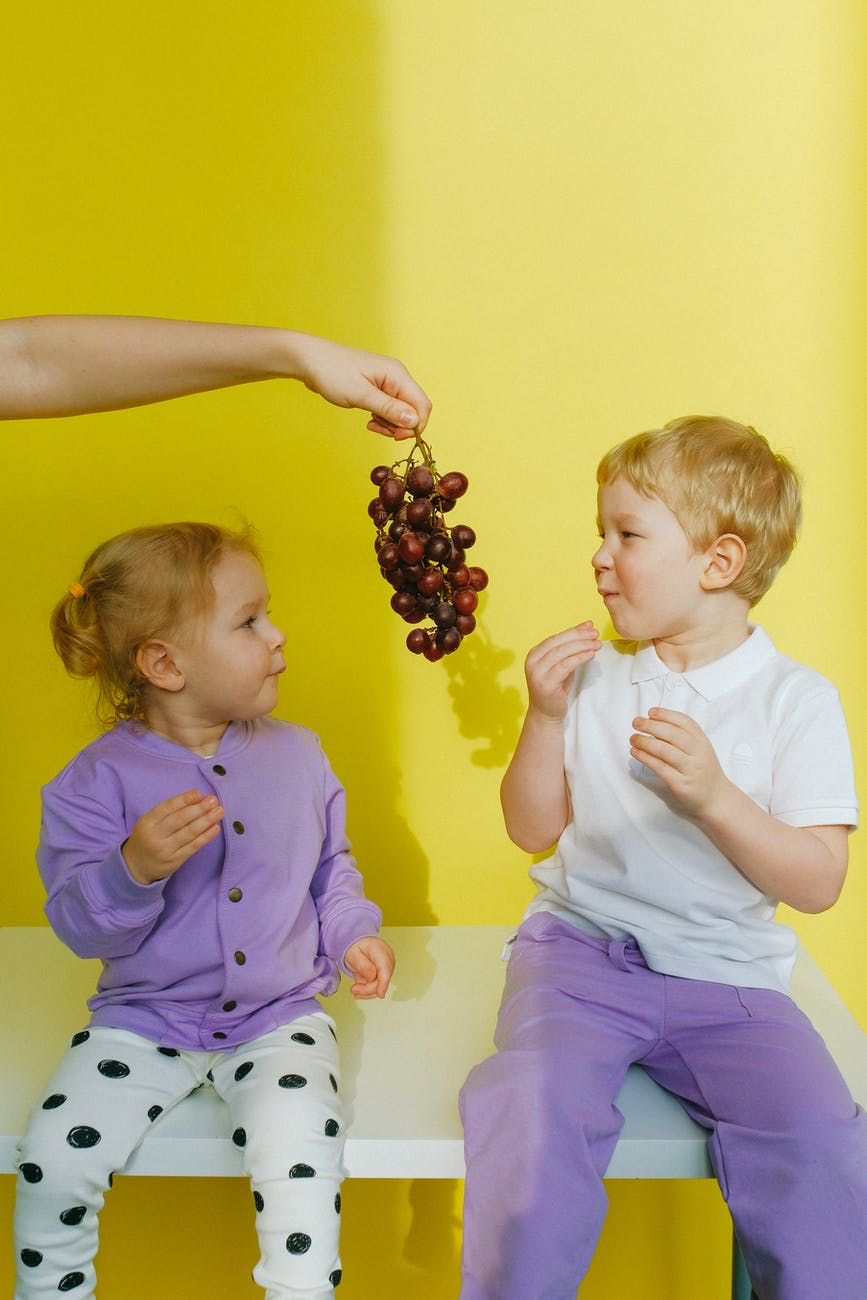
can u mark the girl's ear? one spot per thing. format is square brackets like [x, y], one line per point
[155, 661]
[726, 558]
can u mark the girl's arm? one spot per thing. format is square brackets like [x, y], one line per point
[534, 795]
[68, 365]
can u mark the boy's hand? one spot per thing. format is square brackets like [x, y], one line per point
[676, 749]
[371, 961]
[163, 839]
[549, 667]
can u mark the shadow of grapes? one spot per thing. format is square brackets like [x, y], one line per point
[486, 710]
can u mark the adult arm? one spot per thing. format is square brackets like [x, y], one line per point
[68, 365]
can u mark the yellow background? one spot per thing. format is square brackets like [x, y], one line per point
[574, 220]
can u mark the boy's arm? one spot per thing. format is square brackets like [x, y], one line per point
[68, 365]
[803, 866]
[534, 794]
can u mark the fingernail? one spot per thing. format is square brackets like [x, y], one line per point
[408, 419]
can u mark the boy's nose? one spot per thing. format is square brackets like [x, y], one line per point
[600, 559]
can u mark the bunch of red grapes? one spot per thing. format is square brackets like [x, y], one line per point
[421, 557]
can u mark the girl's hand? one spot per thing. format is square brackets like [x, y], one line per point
[163, 839]
[550, 666]
[676, 749]
[371, 961]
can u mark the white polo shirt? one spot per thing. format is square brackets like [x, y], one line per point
[630, 864]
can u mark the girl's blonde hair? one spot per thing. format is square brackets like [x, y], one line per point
[717, 476]
[140, 585]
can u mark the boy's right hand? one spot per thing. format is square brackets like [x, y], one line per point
[163, 839]
[550, 667]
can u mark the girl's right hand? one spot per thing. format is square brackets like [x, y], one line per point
[550, 666]
[163, 839]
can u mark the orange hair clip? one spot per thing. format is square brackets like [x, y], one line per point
[75, 590]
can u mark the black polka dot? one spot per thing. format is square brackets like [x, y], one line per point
[239, 1137]
[334, 1278]
[210, 1076]
[332, 1128]
[302, 1171]
[31, 1258]
[73, 1216]
[303, 1038]
[168, 1051]
[70, 1282]
[83, 1136]
[31, 1173]
[78, 1039]
[331, 1031]
[243, 1070]
[113, 1069]
[298, 1243]
[111, 1180]
[56, 1099]
[258, 1202]
[292, 1081]
[154, 1112]
[332, 1081]
[337, 1202]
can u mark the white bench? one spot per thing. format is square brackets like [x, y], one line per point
[403, 1062]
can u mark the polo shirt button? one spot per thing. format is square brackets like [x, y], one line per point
[235, 894]
[238, 828]
[230, 1005]
[219, 769]
[240, 957]
[218, 1033]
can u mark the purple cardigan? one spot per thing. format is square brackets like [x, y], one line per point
[250, 929]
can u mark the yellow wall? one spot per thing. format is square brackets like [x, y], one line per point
[574, 220]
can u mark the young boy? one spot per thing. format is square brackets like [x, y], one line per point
[705, 778]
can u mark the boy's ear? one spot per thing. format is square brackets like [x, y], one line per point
[156, 663]
[726, 558]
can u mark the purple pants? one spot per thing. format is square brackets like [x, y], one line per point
[787, 1142]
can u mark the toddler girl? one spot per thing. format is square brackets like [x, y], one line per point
[198, 848]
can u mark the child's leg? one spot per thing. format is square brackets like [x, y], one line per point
[286, 1115]
[104, 1095]
[539, 1116]
[788, 1142]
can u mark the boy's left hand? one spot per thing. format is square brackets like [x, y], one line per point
[371, 961]
[676, 749]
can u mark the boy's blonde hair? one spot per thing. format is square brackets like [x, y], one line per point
[717, 476]
[142, 584]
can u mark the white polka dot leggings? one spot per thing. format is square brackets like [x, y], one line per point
[281, 1091]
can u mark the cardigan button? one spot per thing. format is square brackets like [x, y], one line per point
[240, 957]
[235, 894]
[218, 1033]
[230, 1005]
[238, 828]
[219, 769]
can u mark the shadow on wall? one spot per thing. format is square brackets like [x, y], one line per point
[486, 710]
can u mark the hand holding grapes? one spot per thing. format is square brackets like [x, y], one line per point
[371, 961]
[550, 666]
[163, 839]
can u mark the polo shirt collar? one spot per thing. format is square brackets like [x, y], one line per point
[713, 679]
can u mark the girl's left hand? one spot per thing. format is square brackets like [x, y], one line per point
[676, 749]
[371, 961]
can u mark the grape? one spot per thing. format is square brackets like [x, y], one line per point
[463, 536]
[444, 614]
[418, 512]
[391, 493]
[452, 485]
[417, 640]
[465, 600]
[420, 556]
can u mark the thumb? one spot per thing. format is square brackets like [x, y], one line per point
[393, 410]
